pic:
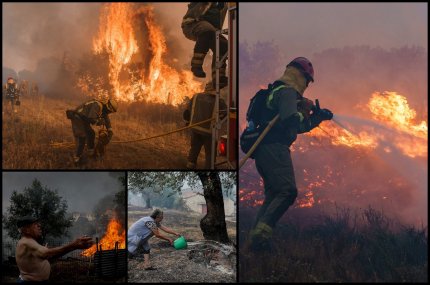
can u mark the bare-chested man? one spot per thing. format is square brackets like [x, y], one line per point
[32, 258]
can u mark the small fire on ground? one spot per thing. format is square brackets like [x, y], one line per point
[114, 233]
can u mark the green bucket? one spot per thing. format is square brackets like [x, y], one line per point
[180, 243]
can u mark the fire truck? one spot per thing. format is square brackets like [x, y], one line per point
[228, 142]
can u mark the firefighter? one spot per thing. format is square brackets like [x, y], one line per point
[11, 92]
[93, 112]
[272, 157]
[34, 89]
[24, 88]
[199, 24]
[200, 108]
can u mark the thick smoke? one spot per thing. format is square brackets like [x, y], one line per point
[345, 78]
[32, 31]
[47, 42]
[81, 190]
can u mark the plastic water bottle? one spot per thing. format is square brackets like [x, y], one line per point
[251, 125]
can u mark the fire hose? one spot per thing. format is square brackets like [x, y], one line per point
[71, 144]
[257, 142]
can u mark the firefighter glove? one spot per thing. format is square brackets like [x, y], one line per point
[100, 122]
[186, 115]
[220, 5]
[325, 114]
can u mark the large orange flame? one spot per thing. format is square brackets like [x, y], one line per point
[391, 110]
[114, 233]
[154, 81]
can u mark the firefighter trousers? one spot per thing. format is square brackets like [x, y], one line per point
[83, 133]
[274, 164]
[198, 141]
[203, 33]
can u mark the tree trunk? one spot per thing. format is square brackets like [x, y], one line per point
[213, 223]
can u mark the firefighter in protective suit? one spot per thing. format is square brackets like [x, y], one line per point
[11, 91]
[272, 156]
[199, 24]
[200, 108]
[93, 112]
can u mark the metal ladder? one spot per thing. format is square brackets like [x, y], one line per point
[231, 83]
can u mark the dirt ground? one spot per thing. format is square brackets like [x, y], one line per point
[201, 261]
[41, 121]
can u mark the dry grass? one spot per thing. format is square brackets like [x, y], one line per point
[344, 247]
[41, 121]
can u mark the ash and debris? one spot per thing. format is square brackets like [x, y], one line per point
[201, 261]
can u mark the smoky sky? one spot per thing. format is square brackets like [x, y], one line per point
[81, 190]
[301, 29]
[32, 31]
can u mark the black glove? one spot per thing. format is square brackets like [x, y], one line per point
[220, 5]
[186, 115]
[325, 114]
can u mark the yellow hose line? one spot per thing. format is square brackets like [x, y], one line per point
[70, 144]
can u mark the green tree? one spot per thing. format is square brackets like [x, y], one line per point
[120, 204]
[41, 202]
[213, 224]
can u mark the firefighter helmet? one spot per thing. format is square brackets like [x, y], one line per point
[112, 105]
[305, 66]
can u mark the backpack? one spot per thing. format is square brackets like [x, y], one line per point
[256, 121]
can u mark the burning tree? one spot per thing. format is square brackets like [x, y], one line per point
[133, 48]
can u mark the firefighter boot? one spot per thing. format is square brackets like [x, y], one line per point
[197, 64]
[191, 165]
[260, 237]
[77, 160]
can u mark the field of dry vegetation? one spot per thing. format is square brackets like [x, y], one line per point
[41, 121]
[342, 247]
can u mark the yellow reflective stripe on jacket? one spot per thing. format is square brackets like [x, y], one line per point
[99, 113]
[270, 97]
[199, 128]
